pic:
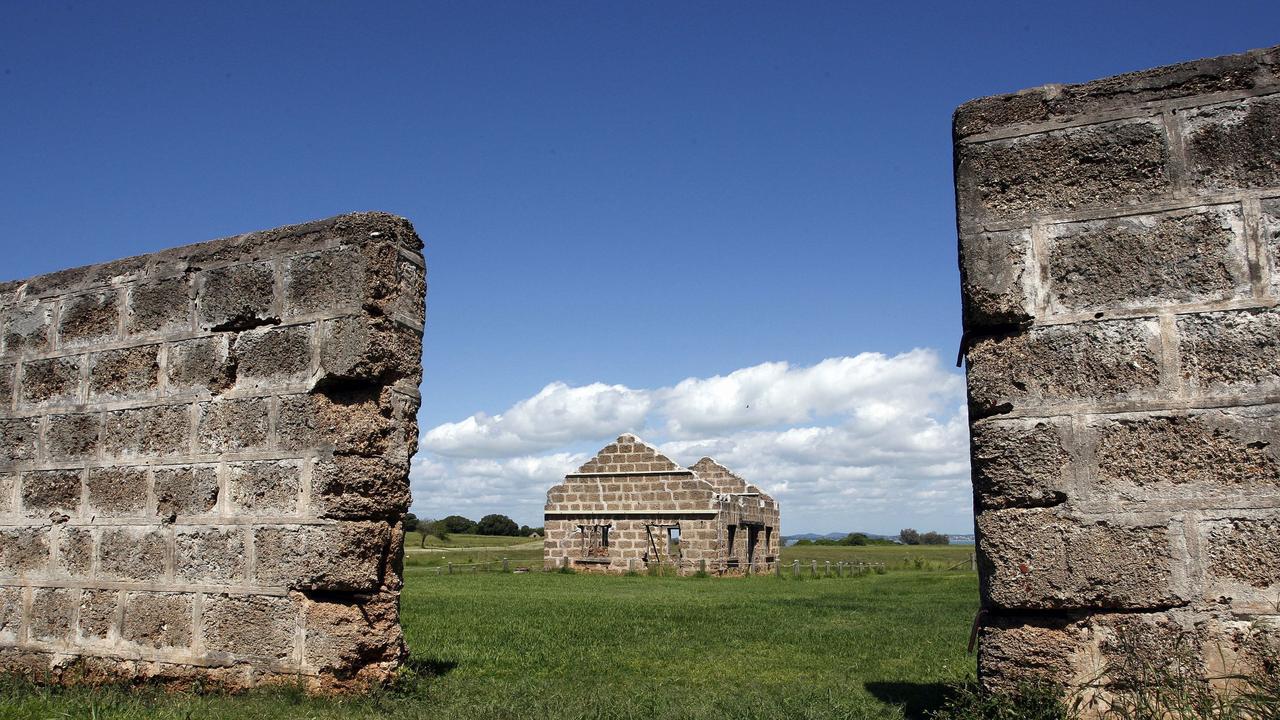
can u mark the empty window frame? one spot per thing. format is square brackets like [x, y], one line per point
[595, 540]
[673, 541]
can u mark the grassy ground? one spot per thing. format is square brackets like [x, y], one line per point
[583, 646]
[903, 557]
[461, 540]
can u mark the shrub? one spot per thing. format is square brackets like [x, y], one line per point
[497, 525]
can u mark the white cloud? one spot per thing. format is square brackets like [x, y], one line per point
[870, 442]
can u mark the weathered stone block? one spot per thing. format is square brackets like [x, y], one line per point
[18, 439]
[115, 491]
[24, 550]
[10, 613]
[98, 613]
[160, 306]
[6, 386]
[1095, 361]
[131, 554]
[365, 349]
[1198, 454]
[1234, 145]
[345, 635]
[231, 425]
[157, 619]
[236, 297]
[210, 555]
[273, 355]
[253, 626]
[1230, 351]
[56, 380]
[72, 437]
[995, 277]
[1036, 559]
[346, 557]
[1147, 260]
[159, 430]
[88, 319]
[52, 610]
[1019, 463]
[186, 490]
[360, 487]
[200, 365]
[350, 420]
[1245, 550]
[45, 491]
[26, 328]
[1104, 165]
[265, 488]
[328, 281]
[75, 550]
[132, 372]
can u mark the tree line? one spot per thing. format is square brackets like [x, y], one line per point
[493, 524]
[908, 536]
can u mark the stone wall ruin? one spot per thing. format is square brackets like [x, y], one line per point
[1120, 261]
[204, 459]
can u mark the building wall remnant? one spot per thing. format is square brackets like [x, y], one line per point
[631, 507]
[1120, 256]
[204, 459]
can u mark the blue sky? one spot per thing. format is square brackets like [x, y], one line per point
[638, 216]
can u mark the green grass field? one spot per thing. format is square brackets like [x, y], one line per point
[550, 645]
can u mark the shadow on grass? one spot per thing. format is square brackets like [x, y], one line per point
[429, 667]
[917, 700]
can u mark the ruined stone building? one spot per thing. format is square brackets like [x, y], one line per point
[631, 507]
[1120, 264]
[204, 458]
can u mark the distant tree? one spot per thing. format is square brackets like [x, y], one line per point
[803, 541]
[410, 522]
[933, 538]
[525, 531]
[908, 536]
[855, 539]
[431, 528]
[497, 525]
[458, 524]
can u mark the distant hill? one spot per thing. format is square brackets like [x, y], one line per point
[791, 539]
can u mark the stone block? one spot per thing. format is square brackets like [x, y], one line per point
[56, 380]
[233, 425]
[236, 297]
[71, 437]
[1137, 261]
[158, 430]
[1244, 551]
[345, 557]
[46, 491]
[369, 349]
[128, 373]
[26, 328]
[1230, 351]
[52, 610]
[89, 319]
[75, 550]
[131, 554]
[10, 614]
[250, 626]
[1020, 463]
[273, 356]
[350, 420]
[160, 306]
[157, 619]
[1198, 454]
[268, 487]
[117, 491]
[210, 555]
[1035, 559]
[24, 550]
[18, 438]
[98, 613]
[1234, 144]
[186, 490]
[1104, 165]
[359, 487]
[6, 386]
[1094, 361]
[346, 634]
[328, 281]
[200, 365]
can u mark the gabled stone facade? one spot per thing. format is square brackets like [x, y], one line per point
[631, 507]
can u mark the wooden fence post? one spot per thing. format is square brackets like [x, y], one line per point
[973, 562]
[813, 568]
[795, 568]
[450, 567]
[777, 567]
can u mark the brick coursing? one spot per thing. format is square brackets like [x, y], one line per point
[1119, 253]
[204, 458]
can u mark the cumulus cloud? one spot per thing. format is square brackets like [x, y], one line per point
[870, 442]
